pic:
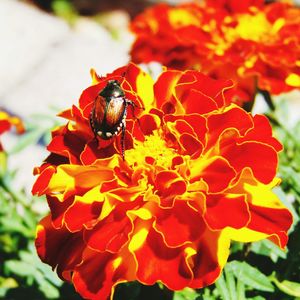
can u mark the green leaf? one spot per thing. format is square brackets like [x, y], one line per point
[20, 268]
[65, 10]
[29, 218]
[186, 294]
[288, 287]
[240, 290]
[14, 225]
[8, 243]
[31, 273]
[46, 270]
[222, 288]
[49, 290]
[269, 249]
[29, 138]
[7, 284]
[251, 276]
[230, 282]
[3, 163]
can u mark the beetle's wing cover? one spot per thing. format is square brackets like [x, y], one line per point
[98, 111]
[115, 112]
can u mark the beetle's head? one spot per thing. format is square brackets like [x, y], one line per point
[112, 89]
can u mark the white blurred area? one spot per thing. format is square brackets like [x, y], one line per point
[45, 62]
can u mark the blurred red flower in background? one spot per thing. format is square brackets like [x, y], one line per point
[198, 173]
[255, 44]
[7, 122]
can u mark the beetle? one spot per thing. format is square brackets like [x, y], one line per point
[108, 115]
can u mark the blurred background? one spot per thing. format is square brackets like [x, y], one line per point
[46, 51]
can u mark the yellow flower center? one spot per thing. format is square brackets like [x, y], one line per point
[180, 17]
[251, 27]
[154, 147]
[293, 80]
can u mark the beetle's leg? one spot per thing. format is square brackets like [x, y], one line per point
[129, 102]
[133, 106]
[123, 140]
[92, 127]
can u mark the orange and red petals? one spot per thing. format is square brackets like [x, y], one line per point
[5, 125]
[89, 213]
[164, 91]
[236, 6]
[148, 123]
[207, 264]
[214, 37]
[108, 235]
[217, 174]
[234, 118]
[169, 184]
[190, 124]
[191, 162]
[263, 165]
[42, 182]
[179, 224]
[58, 209]
[190, 145]
[199, 102]
[204, 84]
[220, 209]
[96, 277]
[96, 149]
[160, 260]
[262, 132]
[89, 94]
[272, 221]
[7, 122]
[67, 144]
[58, 247]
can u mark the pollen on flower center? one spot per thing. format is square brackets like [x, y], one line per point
[249, 27]
[256, 27]
[153, 148]
[181, 17]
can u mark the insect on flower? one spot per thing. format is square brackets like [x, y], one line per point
[108, 115]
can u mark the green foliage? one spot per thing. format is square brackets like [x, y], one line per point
[21, 271]
[65, 10]
[256, 271]
[288, 287]
[289, 160]
[186, 294]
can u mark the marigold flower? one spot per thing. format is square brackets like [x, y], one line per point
[198, 173]
[7, 122]
[253, 43]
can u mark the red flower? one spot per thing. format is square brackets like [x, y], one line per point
[192, 162]
[7, 121]
[253, 43]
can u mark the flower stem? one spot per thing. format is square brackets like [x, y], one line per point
[247, 106]
[268, 99]
[14, 196]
